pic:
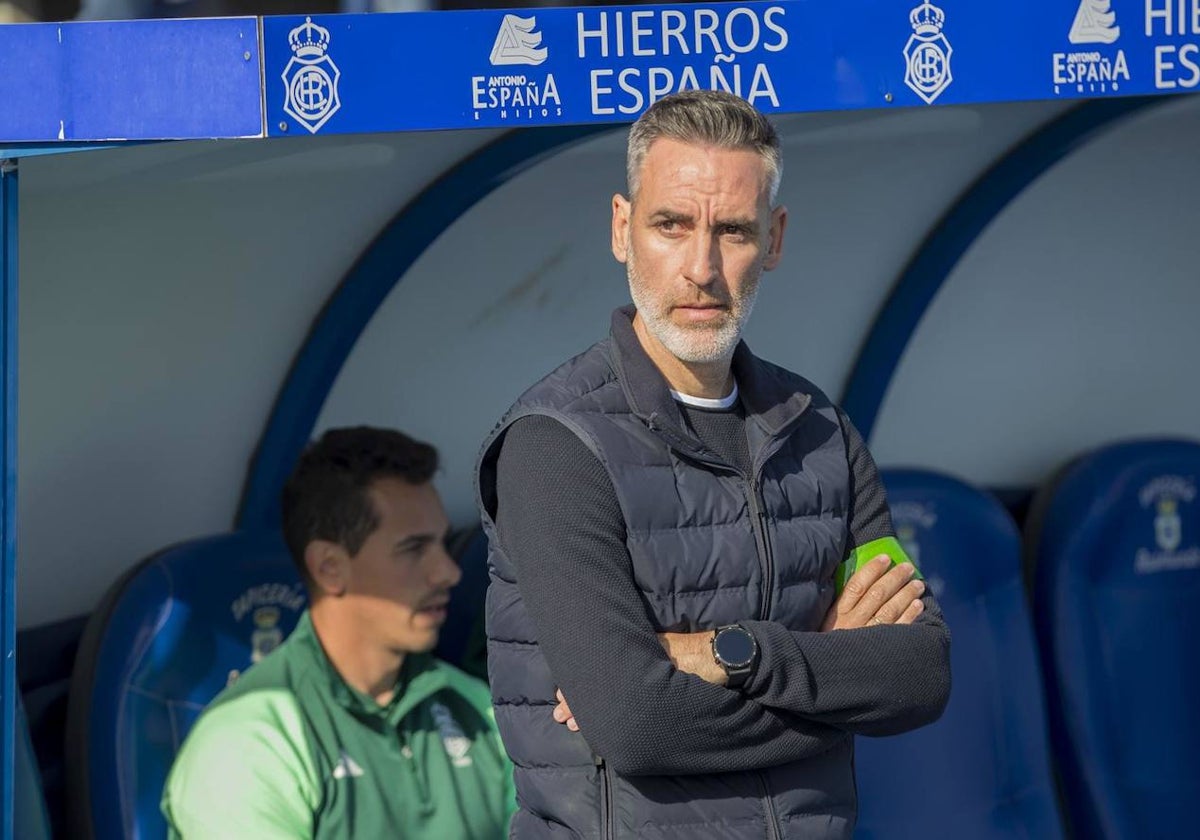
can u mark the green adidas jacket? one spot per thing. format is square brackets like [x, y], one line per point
[290, 750]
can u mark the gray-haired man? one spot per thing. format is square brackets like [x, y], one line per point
[669, 519]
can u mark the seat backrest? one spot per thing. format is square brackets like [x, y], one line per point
[459, 640]
[983, 769]
[1117, 602]
[168, 636]
[30, 820]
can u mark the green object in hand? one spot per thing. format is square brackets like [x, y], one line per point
[864, 554]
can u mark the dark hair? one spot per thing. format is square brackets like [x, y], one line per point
[326, 497]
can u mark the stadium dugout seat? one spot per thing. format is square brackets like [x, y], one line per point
[30, 820]
[1115, 554]
[166, 638]
[983, 769]
[462, 641]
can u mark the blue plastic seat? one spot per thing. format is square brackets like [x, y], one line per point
[461, 634]
[1116, 559]
[166, 639]
[983, 769]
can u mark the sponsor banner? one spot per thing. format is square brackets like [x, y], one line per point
[362, 73]
[539, 66]
[162, 79]
[130, 80]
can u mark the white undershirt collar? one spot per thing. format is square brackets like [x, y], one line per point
[722, 404]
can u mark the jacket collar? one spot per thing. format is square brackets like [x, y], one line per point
[419, 679]
[769, 395]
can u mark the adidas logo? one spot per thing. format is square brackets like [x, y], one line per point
[346, 767]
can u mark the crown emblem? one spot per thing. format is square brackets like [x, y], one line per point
[927, 19]
[308, 40]
[266, 617]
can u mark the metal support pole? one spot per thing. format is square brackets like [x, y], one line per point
[8, 493]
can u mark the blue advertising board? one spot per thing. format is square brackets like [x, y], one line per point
[363, 73]
[163, 79]
[132, 80]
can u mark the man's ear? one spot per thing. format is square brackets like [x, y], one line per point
[621, 212]
[328, 567]
[775, 238]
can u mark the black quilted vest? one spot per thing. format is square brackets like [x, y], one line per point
[791, 514]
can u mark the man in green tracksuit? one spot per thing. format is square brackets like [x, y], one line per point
[350, 728]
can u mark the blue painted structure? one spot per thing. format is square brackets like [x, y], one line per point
[8, 513]
[133, 80]
[90, 85]
[200, 79]
[349, 310]
[416, 226]
[953, 236]
[544, 66]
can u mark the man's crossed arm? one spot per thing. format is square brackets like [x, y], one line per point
[878, 595]
[560, 523]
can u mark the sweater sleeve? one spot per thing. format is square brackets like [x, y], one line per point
[871, 681]
[559, 521]
[245, 770]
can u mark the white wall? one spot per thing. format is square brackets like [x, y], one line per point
[526, 279]
[1072, 322]
[164, 291]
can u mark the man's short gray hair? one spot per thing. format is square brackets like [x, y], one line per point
[704, 117]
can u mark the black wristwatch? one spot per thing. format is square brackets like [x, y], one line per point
[736, 650]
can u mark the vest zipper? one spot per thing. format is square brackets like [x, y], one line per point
[769, 808]
[758, 515]
[606, 808]
[762, 537]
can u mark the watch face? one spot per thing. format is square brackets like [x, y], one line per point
[735, 647]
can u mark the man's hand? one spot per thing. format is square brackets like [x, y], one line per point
[690, 653]
[877, 595]
[562, 712]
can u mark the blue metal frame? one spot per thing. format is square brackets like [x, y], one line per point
[8, 423]
[350, 308]
[104, 81]
[25, 150]
[953, 236]
[98, 81]
[414, 228]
